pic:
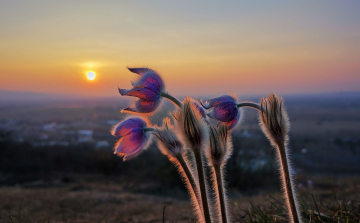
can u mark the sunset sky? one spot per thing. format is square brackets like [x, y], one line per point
[199, 47]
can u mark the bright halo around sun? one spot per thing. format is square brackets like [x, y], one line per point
[91, 75]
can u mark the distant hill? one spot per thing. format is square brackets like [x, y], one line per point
[333, 95]
[32, 98]
[20, 96]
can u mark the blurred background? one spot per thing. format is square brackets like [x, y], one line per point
[62, 62]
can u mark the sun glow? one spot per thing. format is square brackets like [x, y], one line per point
[91, 75]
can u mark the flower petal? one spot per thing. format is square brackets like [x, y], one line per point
[216, 101]
[142, 106]
[225, 111]
[132, 144]
[231, 124]
[140, 92]
[126, 126]
[140, 71]
[150, 80]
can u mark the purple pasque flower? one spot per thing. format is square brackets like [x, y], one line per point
[148, 89]
[135, 136]
[224, 109]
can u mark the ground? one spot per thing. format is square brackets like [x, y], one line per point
[106, 201]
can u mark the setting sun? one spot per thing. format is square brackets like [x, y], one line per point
[91, 75]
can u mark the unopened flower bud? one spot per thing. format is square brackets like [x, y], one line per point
[190, 120]
[274, 119]
[169, 143]
[224, 109]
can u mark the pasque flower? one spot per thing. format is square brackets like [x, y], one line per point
[224, 109]
[169, 143]
[135, 136]
[148, 89]
[274, 119]
[275, 124]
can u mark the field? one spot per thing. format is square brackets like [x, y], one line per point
[99, 199]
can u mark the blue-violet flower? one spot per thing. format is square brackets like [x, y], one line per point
[148, 89]
[135, 137]
[224, 109]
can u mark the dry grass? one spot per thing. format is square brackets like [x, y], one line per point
[90, 203]
[109, 202]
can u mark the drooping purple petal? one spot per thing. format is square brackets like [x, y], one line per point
[132, 144]
[141, 92]
[140, 71]
[126, 126]
[231, 124]
[225, 111]
[148, 89]
[150, 80]
[216, 101]
[142, 106]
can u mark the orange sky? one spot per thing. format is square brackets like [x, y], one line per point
[212, 48]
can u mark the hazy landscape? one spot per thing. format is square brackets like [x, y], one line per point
[57, 161]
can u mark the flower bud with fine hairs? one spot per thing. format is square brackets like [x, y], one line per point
[274, 119]
[169, 143]
[275, 124]
[218, 152]
[190, 120]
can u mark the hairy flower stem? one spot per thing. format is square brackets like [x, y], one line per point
[190, 177]
[249, 104]
[199, 165]
[288, 183]
[219, 180]
[171, 98]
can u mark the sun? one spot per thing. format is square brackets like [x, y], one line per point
[91, 75]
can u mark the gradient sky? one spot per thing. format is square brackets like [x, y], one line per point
[199, 47]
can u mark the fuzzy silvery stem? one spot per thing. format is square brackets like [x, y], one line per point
[190, 177]
[275, 124]
[187, 172]
[199, 165]
[190, 184]
[218, 154]
[288, 184]
[173, 148]
[219, 180]
[171, 98]
[194, 132]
